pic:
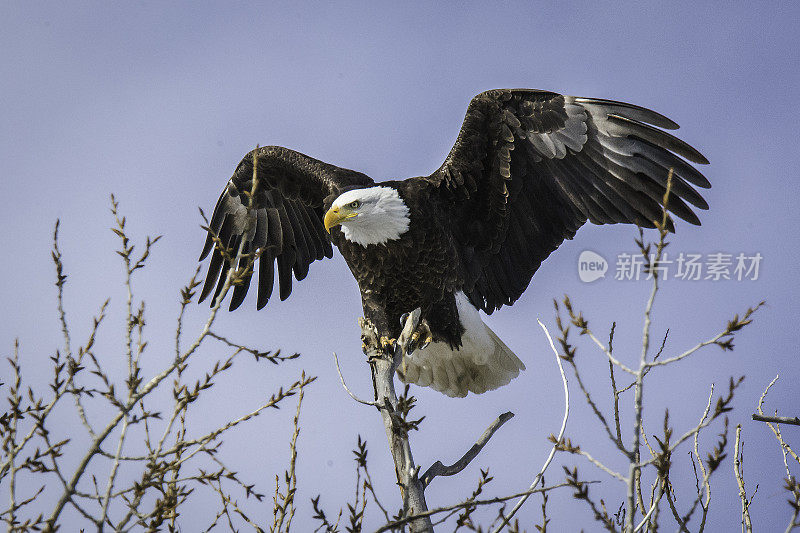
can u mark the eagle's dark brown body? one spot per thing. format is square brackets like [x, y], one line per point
[422, 270]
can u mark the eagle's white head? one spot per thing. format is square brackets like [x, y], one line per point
[369, 216]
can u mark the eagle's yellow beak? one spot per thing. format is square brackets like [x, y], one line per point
[336, 215]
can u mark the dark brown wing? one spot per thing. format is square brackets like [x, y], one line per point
[283, 223]
[530, 167]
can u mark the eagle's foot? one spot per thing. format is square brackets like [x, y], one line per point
[387, 343]
[372, 345]
[421, 338]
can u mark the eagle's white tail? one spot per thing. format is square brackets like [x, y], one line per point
[483, 362]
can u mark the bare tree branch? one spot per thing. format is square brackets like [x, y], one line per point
[384, 362]
[438, 469]
[777, 419]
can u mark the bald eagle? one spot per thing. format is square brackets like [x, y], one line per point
[527, 170]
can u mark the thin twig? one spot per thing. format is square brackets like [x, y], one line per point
[614, 389]
[747, 525]
[653, 509]
[539, 476]
[596, 410]
[704, 422]
[285, 510]
[352, 395]
[776, 429]
[609, 355]
[687, 353]
[601, 466]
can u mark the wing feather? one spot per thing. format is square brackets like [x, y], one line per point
[240, 289]
[266, 277]
[631, 111]
[282, 222]
[530, 167]
[303, 257]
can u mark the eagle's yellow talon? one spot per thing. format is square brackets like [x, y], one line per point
[386, 342]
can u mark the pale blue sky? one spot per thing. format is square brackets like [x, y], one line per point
[157, 103]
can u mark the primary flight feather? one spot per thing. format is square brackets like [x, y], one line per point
[527, 170]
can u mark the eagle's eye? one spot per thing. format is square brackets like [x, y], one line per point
[355, 205]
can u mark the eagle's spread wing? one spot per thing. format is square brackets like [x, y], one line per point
[530, 167]
[284, 224]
